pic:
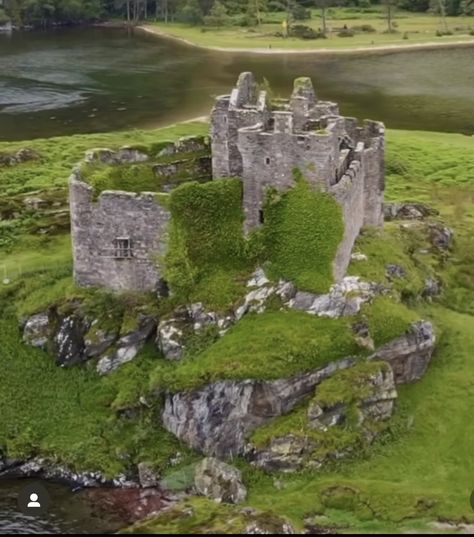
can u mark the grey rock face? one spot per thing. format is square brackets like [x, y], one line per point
[173, 333]
[410, 354]
[97, 341]
[433, 288]
[441, 236]
[294, 452]
[286, 454]
[378, 406]
[407, 211]
[69, 341]
[147, 477]
[344, 298]
[37, 330]
[219, 481]
[217, 419]
[127, 347]
[395, 272]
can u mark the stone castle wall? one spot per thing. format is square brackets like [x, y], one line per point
[264, 145]
[97, 225]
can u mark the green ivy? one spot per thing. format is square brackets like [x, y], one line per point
[302, 231]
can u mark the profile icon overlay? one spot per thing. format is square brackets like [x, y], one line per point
[33, 499]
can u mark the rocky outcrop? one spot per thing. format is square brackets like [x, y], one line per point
[410, 354]
[367, 397]
[174, 332]
[127, 346]
[344, 298]
[217, 419]
[219, 481]
[147, 477]
[22, 155]
[37, 330]
[441, 237]
[407, 211]
[44, 469]
[69, 341]
[74, 338]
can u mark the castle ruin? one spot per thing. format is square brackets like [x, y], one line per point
[119, 238]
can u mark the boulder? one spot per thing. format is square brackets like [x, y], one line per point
[407, 211]
[217, 419]
[97, 341]
[410, 354]
[344, 298]
[287, 454]
[69, 341]
[441, 237]
[432, 289]
[128, 346]
[395, 272]
[219, 481]
[172, 334]
[37, 330]
[147, 477]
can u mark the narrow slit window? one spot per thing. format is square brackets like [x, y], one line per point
[267, 160]
[261, 217]
[123, 248]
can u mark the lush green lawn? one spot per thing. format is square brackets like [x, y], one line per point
[410, 28]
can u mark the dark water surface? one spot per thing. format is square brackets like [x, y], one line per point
[97, 79]
[68, 513]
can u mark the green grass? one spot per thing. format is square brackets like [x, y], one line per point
[266, 346]
[58, 155]
[419, 471]
[418, 28]
[72, 416]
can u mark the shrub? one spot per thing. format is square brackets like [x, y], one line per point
[366, 28]
[346, 32]
[305, 32]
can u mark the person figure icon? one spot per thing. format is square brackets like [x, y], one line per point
[34, 501]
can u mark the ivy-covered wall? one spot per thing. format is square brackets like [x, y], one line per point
[302, 231]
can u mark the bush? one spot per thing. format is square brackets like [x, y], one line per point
[346, 32]
[441, 33]
[305, 32]
[366, 28]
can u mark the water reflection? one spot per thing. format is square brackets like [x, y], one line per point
[90, 80]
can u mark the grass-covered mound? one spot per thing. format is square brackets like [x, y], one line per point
[267, 346]
[302, 231]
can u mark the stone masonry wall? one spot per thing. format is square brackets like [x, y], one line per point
[349, 193]
[271, 158]
[95, 227]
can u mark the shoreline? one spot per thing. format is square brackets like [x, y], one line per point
[381, 49]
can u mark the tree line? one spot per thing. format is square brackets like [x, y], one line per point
[205, 12]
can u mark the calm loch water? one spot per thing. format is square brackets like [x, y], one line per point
[97, 79]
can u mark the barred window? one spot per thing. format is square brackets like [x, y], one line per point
[123, 248]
